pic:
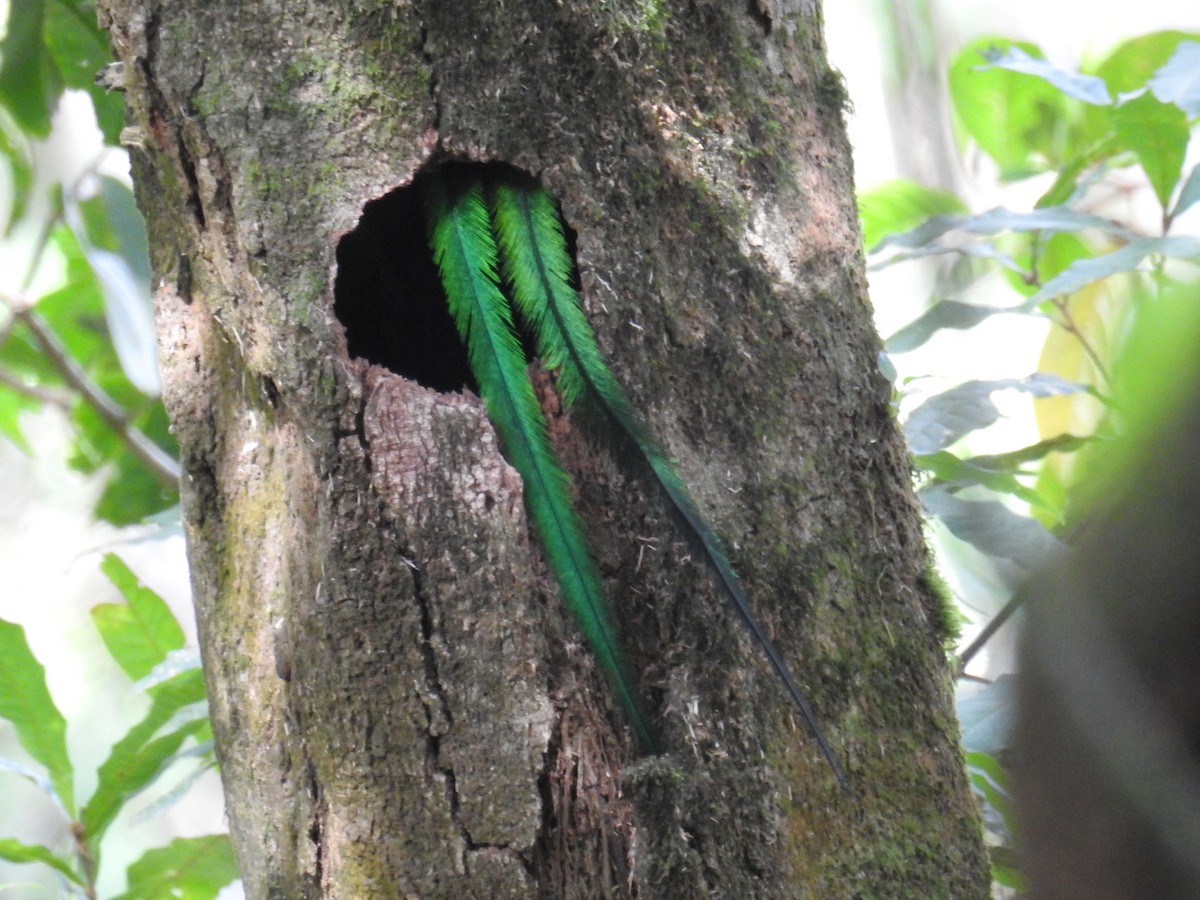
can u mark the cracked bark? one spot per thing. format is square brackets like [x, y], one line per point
[400, 706]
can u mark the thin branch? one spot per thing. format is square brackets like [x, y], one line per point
[162, 464]
[42, 394]
[1068, 325]
[989, 630]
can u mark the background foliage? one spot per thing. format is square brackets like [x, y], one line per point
[76, 335]
[1123, 123]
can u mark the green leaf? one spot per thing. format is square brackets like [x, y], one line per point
[946, 314]
[900, 205]
[132, 492]
[1157, 133]
[30, 82]
[1132, 63]
[140, 632]
[137, 759]
[186, 869]
[12, 405]
[1020, 122]
[998, 462]
[15, 152]
[1050, 255]
[26, 702]
[1067, 187]
[1083, 272]
[16, 852]
[79, 49]
[1178, 82]
[990, 778]
[953, 472]
[1086, 88]
[1005, 870]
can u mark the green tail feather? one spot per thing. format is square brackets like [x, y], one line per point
[465, 254]
[537, 265]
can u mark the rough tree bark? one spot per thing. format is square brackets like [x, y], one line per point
[400, 705]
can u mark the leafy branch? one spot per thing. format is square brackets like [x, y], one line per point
[158, 461]
[144, 639]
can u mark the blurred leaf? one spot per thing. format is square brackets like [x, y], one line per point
[986, 717]
[946, 314]
[1018, 121]
[12, 405]
[1178, 82]
[138, 757]
[1126, 69]
[1087, 88]
[79, 49]
[954, 473]
[899, 205]
[178, 661]
[1063, 443]
[112, 234]
[1050, 254]
[1190, 193]
[75, 311]
[130, 320]
[140, 632]
[1077, 175]
[76, 316]
[886, 367]
[1157, 133]
[1132, 63]
[14, 851]
[36, 778]
[15, 155]
[27, 704]
[1127, 259]
[29, 81]
[944, 418]
[132, 492]
[990, 779]
[204, 753]
[992, 527]
[1051, 219]
[984, 251]
[1005, 870]
[186, 869]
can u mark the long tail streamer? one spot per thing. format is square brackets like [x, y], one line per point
[537, 265]
[466, 255]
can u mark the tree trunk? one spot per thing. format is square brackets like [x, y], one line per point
[401, 706]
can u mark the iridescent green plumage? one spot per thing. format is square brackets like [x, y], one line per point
[515, 230]
[536, 263]
[465, 254]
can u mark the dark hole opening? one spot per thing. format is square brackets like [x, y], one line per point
[388, 296]
[387, 292]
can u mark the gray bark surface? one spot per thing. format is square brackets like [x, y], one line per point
[401, 706]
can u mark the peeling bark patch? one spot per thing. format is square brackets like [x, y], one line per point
[405, 425]
[587, 832]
